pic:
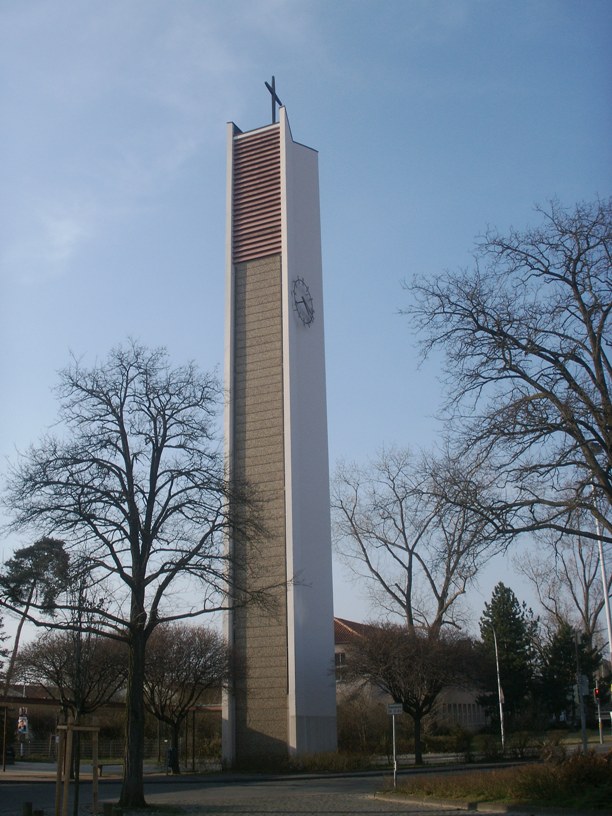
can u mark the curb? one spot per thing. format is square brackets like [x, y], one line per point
[486, 807]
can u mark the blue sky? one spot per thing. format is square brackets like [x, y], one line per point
[433, 120]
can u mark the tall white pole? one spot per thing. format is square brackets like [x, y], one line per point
[500, 695]
[604, 575]
[604, 582]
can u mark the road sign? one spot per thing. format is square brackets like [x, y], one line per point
[394, 708]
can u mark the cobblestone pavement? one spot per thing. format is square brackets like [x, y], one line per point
[346, 796]
[340, 797]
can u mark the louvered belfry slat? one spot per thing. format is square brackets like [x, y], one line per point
[257, 196]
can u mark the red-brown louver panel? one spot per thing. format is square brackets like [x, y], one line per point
[256, 196]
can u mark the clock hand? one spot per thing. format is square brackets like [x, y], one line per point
[307, 306]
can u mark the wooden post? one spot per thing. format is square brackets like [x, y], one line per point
[193, 739]
[94, 771]
[61, 748]
[67, 763]
[62, 783]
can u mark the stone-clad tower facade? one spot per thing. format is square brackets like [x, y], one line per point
[283, 695]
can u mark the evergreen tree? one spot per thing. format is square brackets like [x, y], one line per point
[560, 656]
[516, 631]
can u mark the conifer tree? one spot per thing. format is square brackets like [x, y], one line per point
[562, 654]
[516, 631]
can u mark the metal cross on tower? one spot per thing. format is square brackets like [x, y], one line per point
[275, 100]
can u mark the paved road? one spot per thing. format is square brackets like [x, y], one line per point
[278, 797]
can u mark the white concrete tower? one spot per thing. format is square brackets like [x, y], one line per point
[283, 697]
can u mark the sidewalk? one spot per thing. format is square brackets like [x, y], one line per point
[24, 771]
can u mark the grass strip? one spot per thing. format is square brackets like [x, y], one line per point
[582, 781]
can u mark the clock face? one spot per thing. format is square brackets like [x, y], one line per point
[302, 301]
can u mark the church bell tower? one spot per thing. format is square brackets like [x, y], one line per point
[282, 699]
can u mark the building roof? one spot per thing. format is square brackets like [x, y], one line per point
[346, 630]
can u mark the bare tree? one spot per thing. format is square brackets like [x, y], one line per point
[81, 672]
[527, 339]
[182, 663]
[136, 482]
[566, 576]
[411, 529]
[412, 667]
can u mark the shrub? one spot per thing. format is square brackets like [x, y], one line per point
[582, 781]
[476, 786]
[522, 744]
[329, 763]
[490, 747]
[552, 749]
[363, 724]
[456, 741]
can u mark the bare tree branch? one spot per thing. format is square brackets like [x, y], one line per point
[135, 480]
[527, 343]
[415, 531]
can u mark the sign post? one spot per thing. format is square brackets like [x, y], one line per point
[394, 709]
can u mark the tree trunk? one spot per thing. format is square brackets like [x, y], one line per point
[418, 748]
[132, 791]
[9, 672]
[175, 765]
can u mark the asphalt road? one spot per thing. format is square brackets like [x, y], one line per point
[223, 794]
[281, 797]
